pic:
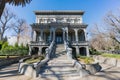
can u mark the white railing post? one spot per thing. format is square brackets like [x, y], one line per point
[69, 53]
[76, 34]
[34, 36]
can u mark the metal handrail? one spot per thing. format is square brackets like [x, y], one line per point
[50, 50]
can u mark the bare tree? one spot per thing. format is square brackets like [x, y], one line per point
[5, 20]
[106, 36]
[113, 22]
[100, 39]
[21, 29]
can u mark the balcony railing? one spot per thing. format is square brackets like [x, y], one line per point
[38, 43]
[79, 43]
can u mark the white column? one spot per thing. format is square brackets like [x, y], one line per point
[31, 36]
[30, 50]
[63, 35]
[85, 34]
[34, 35]
[76, 34]
[77, 50]
[87, 50]
[54, 35]
[67, 32]
[40, 51]
[41, 35]
[50, 35]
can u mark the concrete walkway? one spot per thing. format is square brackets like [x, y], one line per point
[59, 68]
[107, 73]
[11, 73]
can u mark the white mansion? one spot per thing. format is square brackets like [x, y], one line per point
[59, 26]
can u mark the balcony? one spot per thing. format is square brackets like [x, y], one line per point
[79, 43]
[39, 43]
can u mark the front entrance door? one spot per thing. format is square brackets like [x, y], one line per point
[59, 36]
[59, 39]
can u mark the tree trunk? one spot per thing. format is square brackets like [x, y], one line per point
[1, 36]
[2, 6]
[18, 37]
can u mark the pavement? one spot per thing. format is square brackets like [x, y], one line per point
[107, 73]
[10, 72]
[110, 73]
[60, 68]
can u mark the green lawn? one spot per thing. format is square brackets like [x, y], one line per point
[32, 60]
[85, 59]
[4, 57]
[111, 55]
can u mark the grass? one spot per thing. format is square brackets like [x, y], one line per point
[33, 60]
[85, 59]
[4, 57]
[111, 55]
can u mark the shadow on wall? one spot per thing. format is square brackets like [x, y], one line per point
[43, 50]
[35, 50]
[82, 51]
[74, 53]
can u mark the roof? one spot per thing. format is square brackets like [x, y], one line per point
[59, 12]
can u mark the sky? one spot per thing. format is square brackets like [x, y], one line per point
[95, 10]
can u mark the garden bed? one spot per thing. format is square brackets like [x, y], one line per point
[109, 59]
[27, 66]
[34, 59]
[7, 56]
[85, 59]
[89, 64]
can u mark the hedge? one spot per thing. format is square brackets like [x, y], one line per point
[18, 52]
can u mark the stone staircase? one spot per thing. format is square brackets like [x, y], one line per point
[60, 48]
[59, 68]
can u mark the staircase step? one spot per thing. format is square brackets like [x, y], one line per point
[59, 68]
[60, 47]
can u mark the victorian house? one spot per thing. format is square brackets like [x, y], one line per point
[59, 26]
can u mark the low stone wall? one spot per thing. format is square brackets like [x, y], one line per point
[6, 62]
[32, 70]
[93, 68]
[118, 63]
[76, 64]
[27, 69]
[106, 60]
[86, 69]
[80, 68]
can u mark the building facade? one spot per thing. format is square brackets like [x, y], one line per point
[59, 26]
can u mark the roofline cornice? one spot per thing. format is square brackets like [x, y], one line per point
[59, 12]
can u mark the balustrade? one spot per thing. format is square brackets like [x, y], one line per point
[38, 43]
[79, 42]
[50, 50]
